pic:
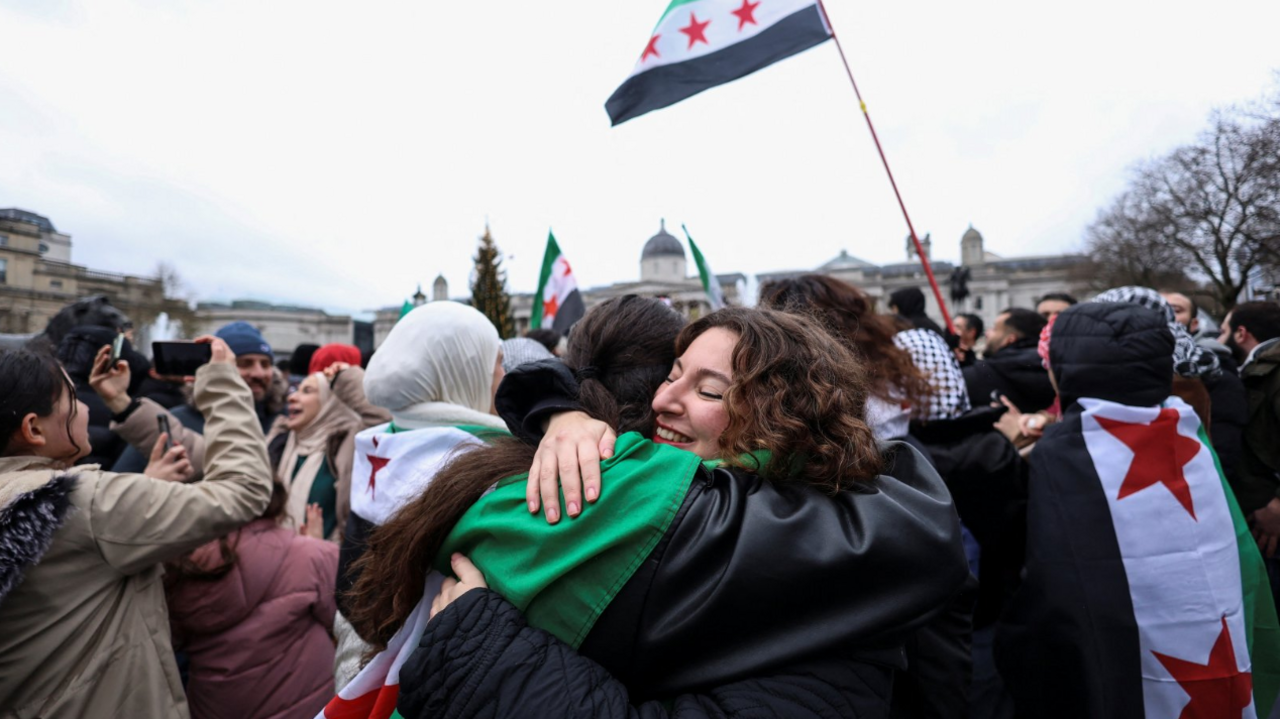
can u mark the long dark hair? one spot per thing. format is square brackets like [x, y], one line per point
[32, 382]
[798, 394]
[622, 351]
[850, 315]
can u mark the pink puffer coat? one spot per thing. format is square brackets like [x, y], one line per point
[258, 638]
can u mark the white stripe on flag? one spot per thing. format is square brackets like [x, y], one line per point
[1183, 572]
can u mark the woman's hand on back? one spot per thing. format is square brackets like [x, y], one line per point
[568, 458]
[468, 578]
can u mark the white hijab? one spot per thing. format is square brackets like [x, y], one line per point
[436, 368]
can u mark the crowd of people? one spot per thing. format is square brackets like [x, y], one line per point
[807, 508]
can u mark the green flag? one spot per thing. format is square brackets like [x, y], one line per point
[710, 284]
[405, 309]
[557, 304]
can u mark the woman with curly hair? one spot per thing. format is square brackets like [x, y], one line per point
[752, 552]
[895, 383]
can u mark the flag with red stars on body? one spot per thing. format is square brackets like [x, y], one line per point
[1144, 593]
[699, 44]
[557, 304]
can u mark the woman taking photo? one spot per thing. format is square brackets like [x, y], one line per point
[844, 560]
[83, 626]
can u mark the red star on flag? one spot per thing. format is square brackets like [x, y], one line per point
[696, 30]
[651, 48]
[549, 308]
[376, 463]
[1159, 454]
[1218, 689]
[746, 14]
[567, 270]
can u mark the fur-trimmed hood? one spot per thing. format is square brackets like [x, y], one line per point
[33, 505]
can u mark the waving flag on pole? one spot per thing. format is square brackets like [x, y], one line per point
[710, 284]
[699, 44]
[557, 304]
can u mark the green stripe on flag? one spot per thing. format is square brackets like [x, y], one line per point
[563, 576]
[710, 284]
[1261, 624]
[670, 8]
[548, 262]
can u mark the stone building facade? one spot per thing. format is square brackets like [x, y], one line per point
[37, 278]
[995, 283]
[284, 327]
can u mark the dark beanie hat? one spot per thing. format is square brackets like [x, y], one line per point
[245, 339]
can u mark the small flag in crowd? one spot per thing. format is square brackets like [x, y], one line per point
[405, 309]
[710, 284]
[557, 303]
[699, 44]
[1175, 618]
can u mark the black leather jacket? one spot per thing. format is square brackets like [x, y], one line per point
[755, 576]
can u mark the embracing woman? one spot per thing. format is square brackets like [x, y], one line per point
[765, 537]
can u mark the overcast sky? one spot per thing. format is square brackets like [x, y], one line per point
[337, 154]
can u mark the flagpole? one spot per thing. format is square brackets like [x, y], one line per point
[924, 260]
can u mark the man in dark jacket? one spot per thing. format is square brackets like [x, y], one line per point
[1252, 331]
[1228, 409]
[1011, 366]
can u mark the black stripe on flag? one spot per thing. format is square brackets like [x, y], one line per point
[1067, 645]
[668, 84]
[570, 312]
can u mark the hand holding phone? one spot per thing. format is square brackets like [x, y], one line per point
[117, 348]
[163, 422]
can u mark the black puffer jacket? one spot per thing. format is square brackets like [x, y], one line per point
[481, 660]
[1015, 372]
[752, 579]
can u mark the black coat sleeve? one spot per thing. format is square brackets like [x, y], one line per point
[533, 392]
[479, 659]
[755, 575]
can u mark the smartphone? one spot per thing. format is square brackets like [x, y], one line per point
[117, 347]
[179, 359]
[163, 422]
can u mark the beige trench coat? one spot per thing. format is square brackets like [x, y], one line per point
[86, 632]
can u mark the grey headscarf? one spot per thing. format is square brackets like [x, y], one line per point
[1189, 359]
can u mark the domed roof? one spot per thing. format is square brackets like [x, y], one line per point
[663, 244]
[971, 234]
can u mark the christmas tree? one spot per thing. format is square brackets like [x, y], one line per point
[489, 287]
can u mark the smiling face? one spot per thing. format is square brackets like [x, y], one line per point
[255, 370]
[690, 408]
[304, 405]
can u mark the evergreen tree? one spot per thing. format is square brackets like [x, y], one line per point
[489, 287]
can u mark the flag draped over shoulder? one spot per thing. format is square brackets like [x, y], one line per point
[1145, 594]
[557, 304]
[699, 44]
[710, 284]
[562, 577]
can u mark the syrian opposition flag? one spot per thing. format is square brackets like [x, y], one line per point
[710, 284]
[374, 691]
[557, 303]
[1145, 594]
[699, 44]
